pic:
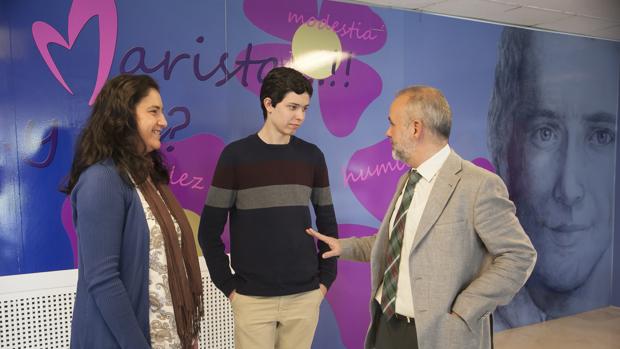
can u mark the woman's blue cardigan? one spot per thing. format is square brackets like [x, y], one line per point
[112, 302]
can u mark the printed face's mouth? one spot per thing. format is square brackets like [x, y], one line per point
[568, 227]
[567, 234]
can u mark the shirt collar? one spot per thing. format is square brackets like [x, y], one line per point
[429, 168]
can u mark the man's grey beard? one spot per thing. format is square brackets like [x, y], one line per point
[398, 156]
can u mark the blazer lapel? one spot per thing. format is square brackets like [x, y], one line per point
[446, 181]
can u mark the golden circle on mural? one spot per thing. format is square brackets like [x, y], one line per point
[194, 221]
[316, 49]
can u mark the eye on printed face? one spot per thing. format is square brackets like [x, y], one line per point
[150, 120]
[562, 168]
[288, 115]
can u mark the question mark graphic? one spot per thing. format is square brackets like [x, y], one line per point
[173, 130]
[51, 138]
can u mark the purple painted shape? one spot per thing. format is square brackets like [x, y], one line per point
[66, 217]
[256, 72]
[350, 293]
[360, 29]
[80, 13]
[345, 95]
[191, 163]
[372, 174]
[484, 163]
[280, 18]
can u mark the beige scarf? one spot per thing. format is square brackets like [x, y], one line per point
[184, 276]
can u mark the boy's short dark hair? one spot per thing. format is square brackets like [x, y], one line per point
[280, 81]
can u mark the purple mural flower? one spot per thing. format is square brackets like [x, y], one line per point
[372, 175]
[190, 179]
[345, 94]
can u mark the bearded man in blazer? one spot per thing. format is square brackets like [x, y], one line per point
[462, 251]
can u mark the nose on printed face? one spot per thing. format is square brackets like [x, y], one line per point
[568, 188]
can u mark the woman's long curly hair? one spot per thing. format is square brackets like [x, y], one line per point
[111, 132]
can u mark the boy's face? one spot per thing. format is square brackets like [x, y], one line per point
[288, 115]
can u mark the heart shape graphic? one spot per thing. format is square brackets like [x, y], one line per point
[80, 13]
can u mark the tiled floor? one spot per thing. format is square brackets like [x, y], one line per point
[598, 329]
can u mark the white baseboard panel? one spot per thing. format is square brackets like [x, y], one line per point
[36, 311]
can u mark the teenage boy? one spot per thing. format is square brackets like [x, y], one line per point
[263, 184]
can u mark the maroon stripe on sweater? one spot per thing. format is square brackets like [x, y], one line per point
[275, 172]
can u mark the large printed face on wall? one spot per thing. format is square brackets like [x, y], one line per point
[561, 157]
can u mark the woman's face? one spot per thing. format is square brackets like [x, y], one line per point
[150, 120]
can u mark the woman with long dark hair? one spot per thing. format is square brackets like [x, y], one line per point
[139, 283]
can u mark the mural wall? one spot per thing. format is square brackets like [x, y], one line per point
[539, 109]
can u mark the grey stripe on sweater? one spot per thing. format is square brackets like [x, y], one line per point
[268, 196]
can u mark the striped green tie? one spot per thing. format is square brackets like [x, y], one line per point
[392, 257]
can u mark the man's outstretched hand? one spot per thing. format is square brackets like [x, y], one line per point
[334, 244]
